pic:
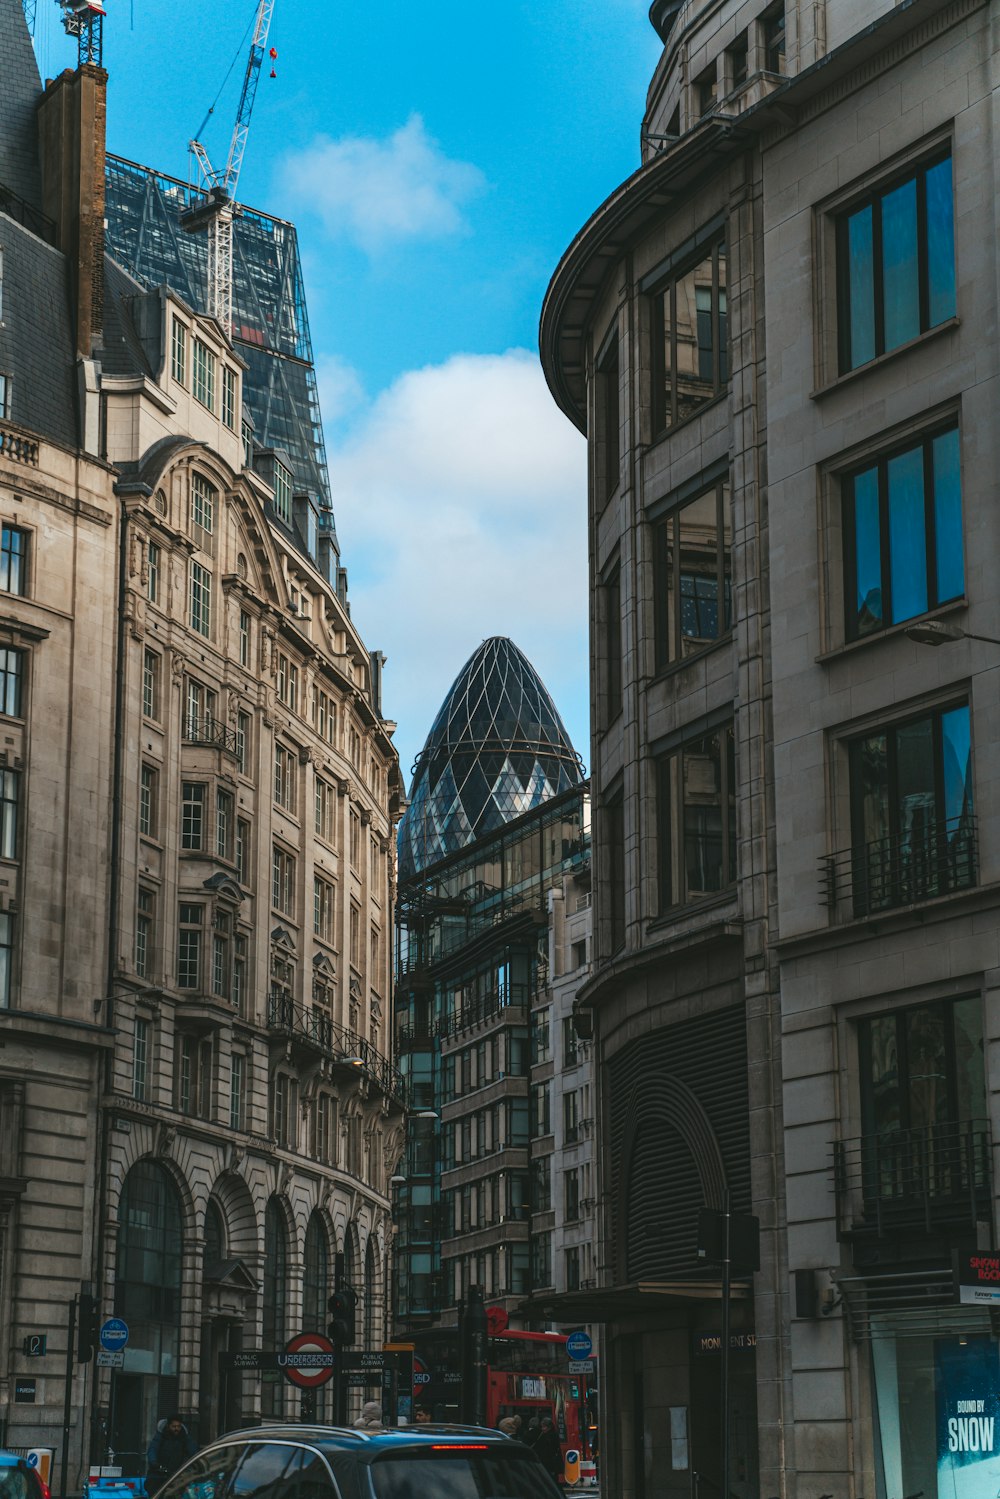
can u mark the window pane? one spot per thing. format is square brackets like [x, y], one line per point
[872, 780]
[970, 1069]
[940, 244]
[948, 517]
[907, 535]
[703, 825]
[862, 287]
[956, 757]
[928, 1066]
[899, 264]
[867, 553]
[915, 781]
[882, 1093]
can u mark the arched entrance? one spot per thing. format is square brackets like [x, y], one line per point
[274, 1302]
[228, 1289]
[315, 1291]
[148, 1298]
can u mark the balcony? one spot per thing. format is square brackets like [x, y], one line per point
[929, 860]
[936, 1180]
[318, 1033]
[210, 731]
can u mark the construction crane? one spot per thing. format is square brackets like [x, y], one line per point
[216, 213]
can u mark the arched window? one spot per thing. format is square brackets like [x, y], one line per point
[148, 1298]
[215, 1238]
[372, 1309]
[274, 1296]
[315, 1276]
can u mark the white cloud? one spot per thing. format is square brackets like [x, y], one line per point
[340, 388]
[461, 505]
[379, 192]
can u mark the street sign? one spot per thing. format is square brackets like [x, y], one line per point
[308, 1360]
[114, 1334]
[579, 1345]
[34, 1345]
[976, 1277]
[110, 1359]
[24, 1391]
[581, 1366]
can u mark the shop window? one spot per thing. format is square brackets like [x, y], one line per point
[913, 824]
[923, 1162]
[274, 1297]
[696, 804]
[690, 339]
[692, 572]
[903, 534]
[896, 264]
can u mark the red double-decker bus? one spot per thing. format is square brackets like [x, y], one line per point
[527, 1375]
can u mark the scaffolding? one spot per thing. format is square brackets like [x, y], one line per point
[270, 327]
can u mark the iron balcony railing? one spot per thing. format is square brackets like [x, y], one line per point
[931, 859]
[29, 218]
[934, 1179]
[335, 1041]
[210, 731]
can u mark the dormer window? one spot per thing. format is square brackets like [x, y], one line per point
[203, 382]
[178, 351]
[283, 493]
[229, 397]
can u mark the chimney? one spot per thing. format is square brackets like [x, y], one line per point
[72, 116]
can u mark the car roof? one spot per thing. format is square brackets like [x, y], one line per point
[368, 1444]
[11, 1460]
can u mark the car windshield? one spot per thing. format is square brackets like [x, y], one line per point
[453, 1472]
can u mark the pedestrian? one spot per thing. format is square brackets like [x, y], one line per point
[531, 1435]
[370, 1418]
[170, 1448]
[508, 1426]
[547, 1448]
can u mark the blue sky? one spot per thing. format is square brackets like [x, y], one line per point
[437, 159]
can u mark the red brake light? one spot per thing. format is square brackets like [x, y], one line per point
[459, 1447]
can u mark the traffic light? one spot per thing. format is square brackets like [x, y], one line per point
[87, 1327]
[342, 1307]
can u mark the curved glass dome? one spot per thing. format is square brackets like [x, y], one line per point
[496, 749]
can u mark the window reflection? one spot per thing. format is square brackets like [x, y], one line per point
[914, 833]
[697, 818]
[896, 257]
[903, 534]
[691, 575]
[691, 360]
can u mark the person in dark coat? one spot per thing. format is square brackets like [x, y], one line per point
[169, 1450]
[546, 1447]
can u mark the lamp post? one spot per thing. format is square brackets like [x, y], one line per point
[938, 632]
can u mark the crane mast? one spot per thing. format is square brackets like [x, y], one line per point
[216, 214]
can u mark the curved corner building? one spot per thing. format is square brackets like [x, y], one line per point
[779, 335]
[495, 839]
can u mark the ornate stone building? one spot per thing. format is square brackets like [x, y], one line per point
[199, 793]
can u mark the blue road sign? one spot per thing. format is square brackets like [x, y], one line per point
[579, 1345]
[114, 1334]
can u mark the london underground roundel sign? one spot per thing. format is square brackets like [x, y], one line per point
[308, 1360]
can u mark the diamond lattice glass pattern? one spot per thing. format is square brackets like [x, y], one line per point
[497, 749]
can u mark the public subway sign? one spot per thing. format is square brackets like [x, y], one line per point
[976, 1277]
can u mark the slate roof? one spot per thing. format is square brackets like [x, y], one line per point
[20, 87]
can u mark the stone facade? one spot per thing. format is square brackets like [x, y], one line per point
[198, 796]
[795, 940]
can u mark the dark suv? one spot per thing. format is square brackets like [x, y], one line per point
[332, 1462]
